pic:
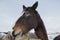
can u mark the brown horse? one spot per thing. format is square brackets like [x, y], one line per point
[57, 37]
[30, 20]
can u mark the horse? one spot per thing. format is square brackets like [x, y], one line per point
[57, 37]
[30, 20]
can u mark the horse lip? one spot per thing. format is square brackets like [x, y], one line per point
[14, 35]
[20, 33]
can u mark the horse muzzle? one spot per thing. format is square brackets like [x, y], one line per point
[16, 34]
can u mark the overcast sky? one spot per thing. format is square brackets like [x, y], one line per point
[11, 10]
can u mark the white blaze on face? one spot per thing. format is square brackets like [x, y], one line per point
[26, 13]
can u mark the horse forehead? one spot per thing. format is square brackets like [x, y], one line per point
[27, 14]
[27, 11]
[28, 8]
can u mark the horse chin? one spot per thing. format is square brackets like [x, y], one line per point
[15, 33]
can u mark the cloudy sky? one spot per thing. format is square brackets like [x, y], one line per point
[11, 10]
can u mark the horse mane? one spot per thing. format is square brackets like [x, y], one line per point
[40, 30]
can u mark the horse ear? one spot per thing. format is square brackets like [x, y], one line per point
[24, 7]
[35, 5]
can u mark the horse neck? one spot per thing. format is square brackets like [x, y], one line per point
[41, 31]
